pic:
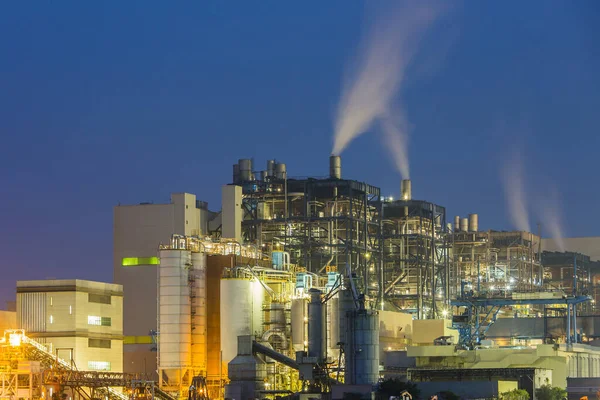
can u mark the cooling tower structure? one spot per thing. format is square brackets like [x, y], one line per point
[181, 318]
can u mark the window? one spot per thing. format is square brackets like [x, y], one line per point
[133, 261]
[99, 343]
[70, 310]
[99, 365]
[99, 321]
[51, 319]
[51, 301]
[99, 298]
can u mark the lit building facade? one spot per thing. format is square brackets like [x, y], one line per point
[80, 321]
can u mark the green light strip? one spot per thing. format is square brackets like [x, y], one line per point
[133, 261]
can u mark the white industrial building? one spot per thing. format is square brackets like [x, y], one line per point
[79, 321]
[138, 230]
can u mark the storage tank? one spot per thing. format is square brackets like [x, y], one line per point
[473, 222]
[197, 287]
[362, 356]
[263, 176]
[457, 223]
[406, 189]
[464, 224]
[245, 169]
[175, 322]
[280, 171]
[241, 313]
[316, 326]
[335, 167]
[299, 321]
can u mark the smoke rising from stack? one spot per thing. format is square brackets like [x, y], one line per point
[551, 219]
[514, 191]
[374, 80]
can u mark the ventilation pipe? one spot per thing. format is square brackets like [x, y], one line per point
[473, 222]
[335, 167]
[406, 190]
[457, 223]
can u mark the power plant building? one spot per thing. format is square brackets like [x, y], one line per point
[79, 321]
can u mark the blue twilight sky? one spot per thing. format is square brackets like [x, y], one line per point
[108, 102]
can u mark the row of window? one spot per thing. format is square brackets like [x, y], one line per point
[92, 298]
[99, 321]
[99, 365]
[99, 343]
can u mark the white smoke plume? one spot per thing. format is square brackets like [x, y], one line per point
[369, 88]
[551, 218]
[395, 133]
[514, 191]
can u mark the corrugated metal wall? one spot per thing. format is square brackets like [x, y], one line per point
[31, 313]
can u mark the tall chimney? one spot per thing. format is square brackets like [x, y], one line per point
[406, 190]
[457, 223]
[335, 167]
[473, 222]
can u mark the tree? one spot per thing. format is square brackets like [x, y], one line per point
[448, 395]
[393, 387]
[548, 392]
[515, 394]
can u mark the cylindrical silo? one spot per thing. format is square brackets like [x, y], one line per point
[406, 189]
[299, 320]
[271, 167]
[473, 222]
[241, 313]
[464, 224]
[362, 356]
[280, 171]
[197, 287]
[174, 319]
[236, 173]
[333, 327]
[245, 169]
[457, 223]
[335, 167]
[263, 176]
[316, 325]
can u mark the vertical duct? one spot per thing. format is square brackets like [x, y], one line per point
[236, 173]
[457, 223]
[473, 222]
[335, 167]
[316, 325]
[464, 224]
[406, 189]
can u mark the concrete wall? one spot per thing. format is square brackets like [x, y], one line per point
[466, 389]
[425, 331]
[231, 217]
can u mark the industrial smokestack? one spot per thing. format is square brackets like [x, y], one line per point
[270, 167]
[473, 222]
[406, 190]
[280, 171]
[335, 167]
[464, 224]
[245, 169]
[236, 173]
[457, 223]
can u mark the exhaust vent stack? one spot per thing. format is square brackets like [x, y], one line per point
[473, 222]
[406, 190]
[335, 167]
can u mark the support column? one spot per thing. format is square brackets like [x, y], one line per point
[568, 324]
